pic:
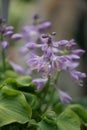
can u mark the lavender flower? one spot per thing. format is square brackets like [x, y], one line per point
[31, 33]
[36, 17]
[78, 76]
[8, 33]
[4, 44]
[34, 61]
[39, 83]
[55, 58]
[9, 28]
[17, 68]
[44, 25]
[78, 52]
[16, 36]
[64, 97]
[32, 45]
[23, 51]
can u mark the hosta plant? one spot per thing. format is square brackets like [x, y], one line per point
[30, 96]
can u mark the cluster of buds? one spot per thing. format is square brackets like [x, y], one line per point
[6, 33]
[32, 33]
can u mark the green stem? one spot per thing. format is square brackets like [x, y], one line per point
[3, 60]
[47, 87]
[53, 91]
[50, 101]
[3, 54]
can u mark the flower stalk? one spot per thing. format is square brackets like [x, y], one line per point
[3, 60]
[52, 84]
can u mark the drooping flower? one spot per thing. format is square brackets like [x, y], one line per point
[16, 36]
[40, 83]
[64, 97]
[4, 44]
[78, 76]
[17, 68]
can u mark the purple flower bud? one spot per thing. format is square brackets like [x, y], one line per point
[78, 52]
[36, 16]
[49, 41]
[73, 57]
[62, 42]
[9, 28]
[17, 68]
[72, 44]
[16, 36]
[2, 30]
[55, 44]
[4, 44]
[77, 76]
[44, 35]
[44, 25]
[8, 33]
[31, 45]
[64, 97]
[40, 83]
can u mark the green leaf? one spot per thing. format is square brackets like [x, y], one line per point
[80, 111]
[23, 84]
[32, 100]
[48, 121]
[46, 126]
[10, 73]
[13, 107]
[24, 80]
[68, 120]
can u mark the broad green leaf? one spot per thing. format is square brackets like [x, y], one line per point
[80, 111]
[24, 80]
[11, 83]
[68, 120]
[32, 100]
[46, 126]
[22, 84]
[13, 107]
[10, 73]
[25, 84]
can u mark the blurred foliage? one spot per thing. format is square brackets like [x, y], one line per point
[27, 0]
